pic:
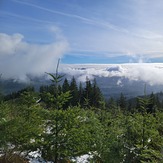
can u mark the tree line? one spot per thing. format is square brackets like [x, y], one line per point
[88, 94]
[85, 95]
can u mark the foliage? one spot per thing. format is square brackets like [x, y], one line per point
[88, 96]
[66, 121]
[69, 133]
[20, 126]
[132, 137]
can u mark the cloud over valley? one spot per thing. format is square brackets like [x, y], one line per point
[150, 73]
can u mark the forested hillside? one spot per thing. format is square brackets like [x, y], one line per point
[64, 121]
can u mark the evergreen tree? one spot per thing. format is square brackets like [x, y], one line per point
[158, 102]
[29, 97]
[87, 94]
[122, 102]
[65, 86]
[77, 132]
[74, 92]
[20, 127]
[151, 107]
[57, 102]
[96, 97]
[58, 99]
[80, 93]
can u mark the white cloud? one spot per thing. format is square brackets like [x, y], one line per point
[138, 30]
[19, 58]
[8, 44]
[149, 73]
[131, 28]
[119, 82]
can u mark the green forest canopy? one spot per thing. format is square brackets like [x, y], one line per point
[64, 121]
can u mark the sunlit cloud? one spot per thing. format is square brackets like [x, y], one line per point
[19, 58]
[149, 73]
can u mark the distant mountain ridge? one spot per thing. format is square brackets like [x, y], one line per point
[129, 79]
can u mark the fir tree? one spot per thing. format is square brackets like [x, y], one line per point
[74, 92]
[80, 93]
[87, 93]
[65, 86]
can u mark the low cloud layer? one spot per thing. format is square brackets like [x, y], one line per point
[19, 58]
[149, 73]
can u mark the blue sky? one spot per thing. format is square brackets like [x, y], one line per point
[79, 31]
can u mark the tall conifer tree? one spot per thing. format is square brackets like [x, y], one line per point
[74, 92]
